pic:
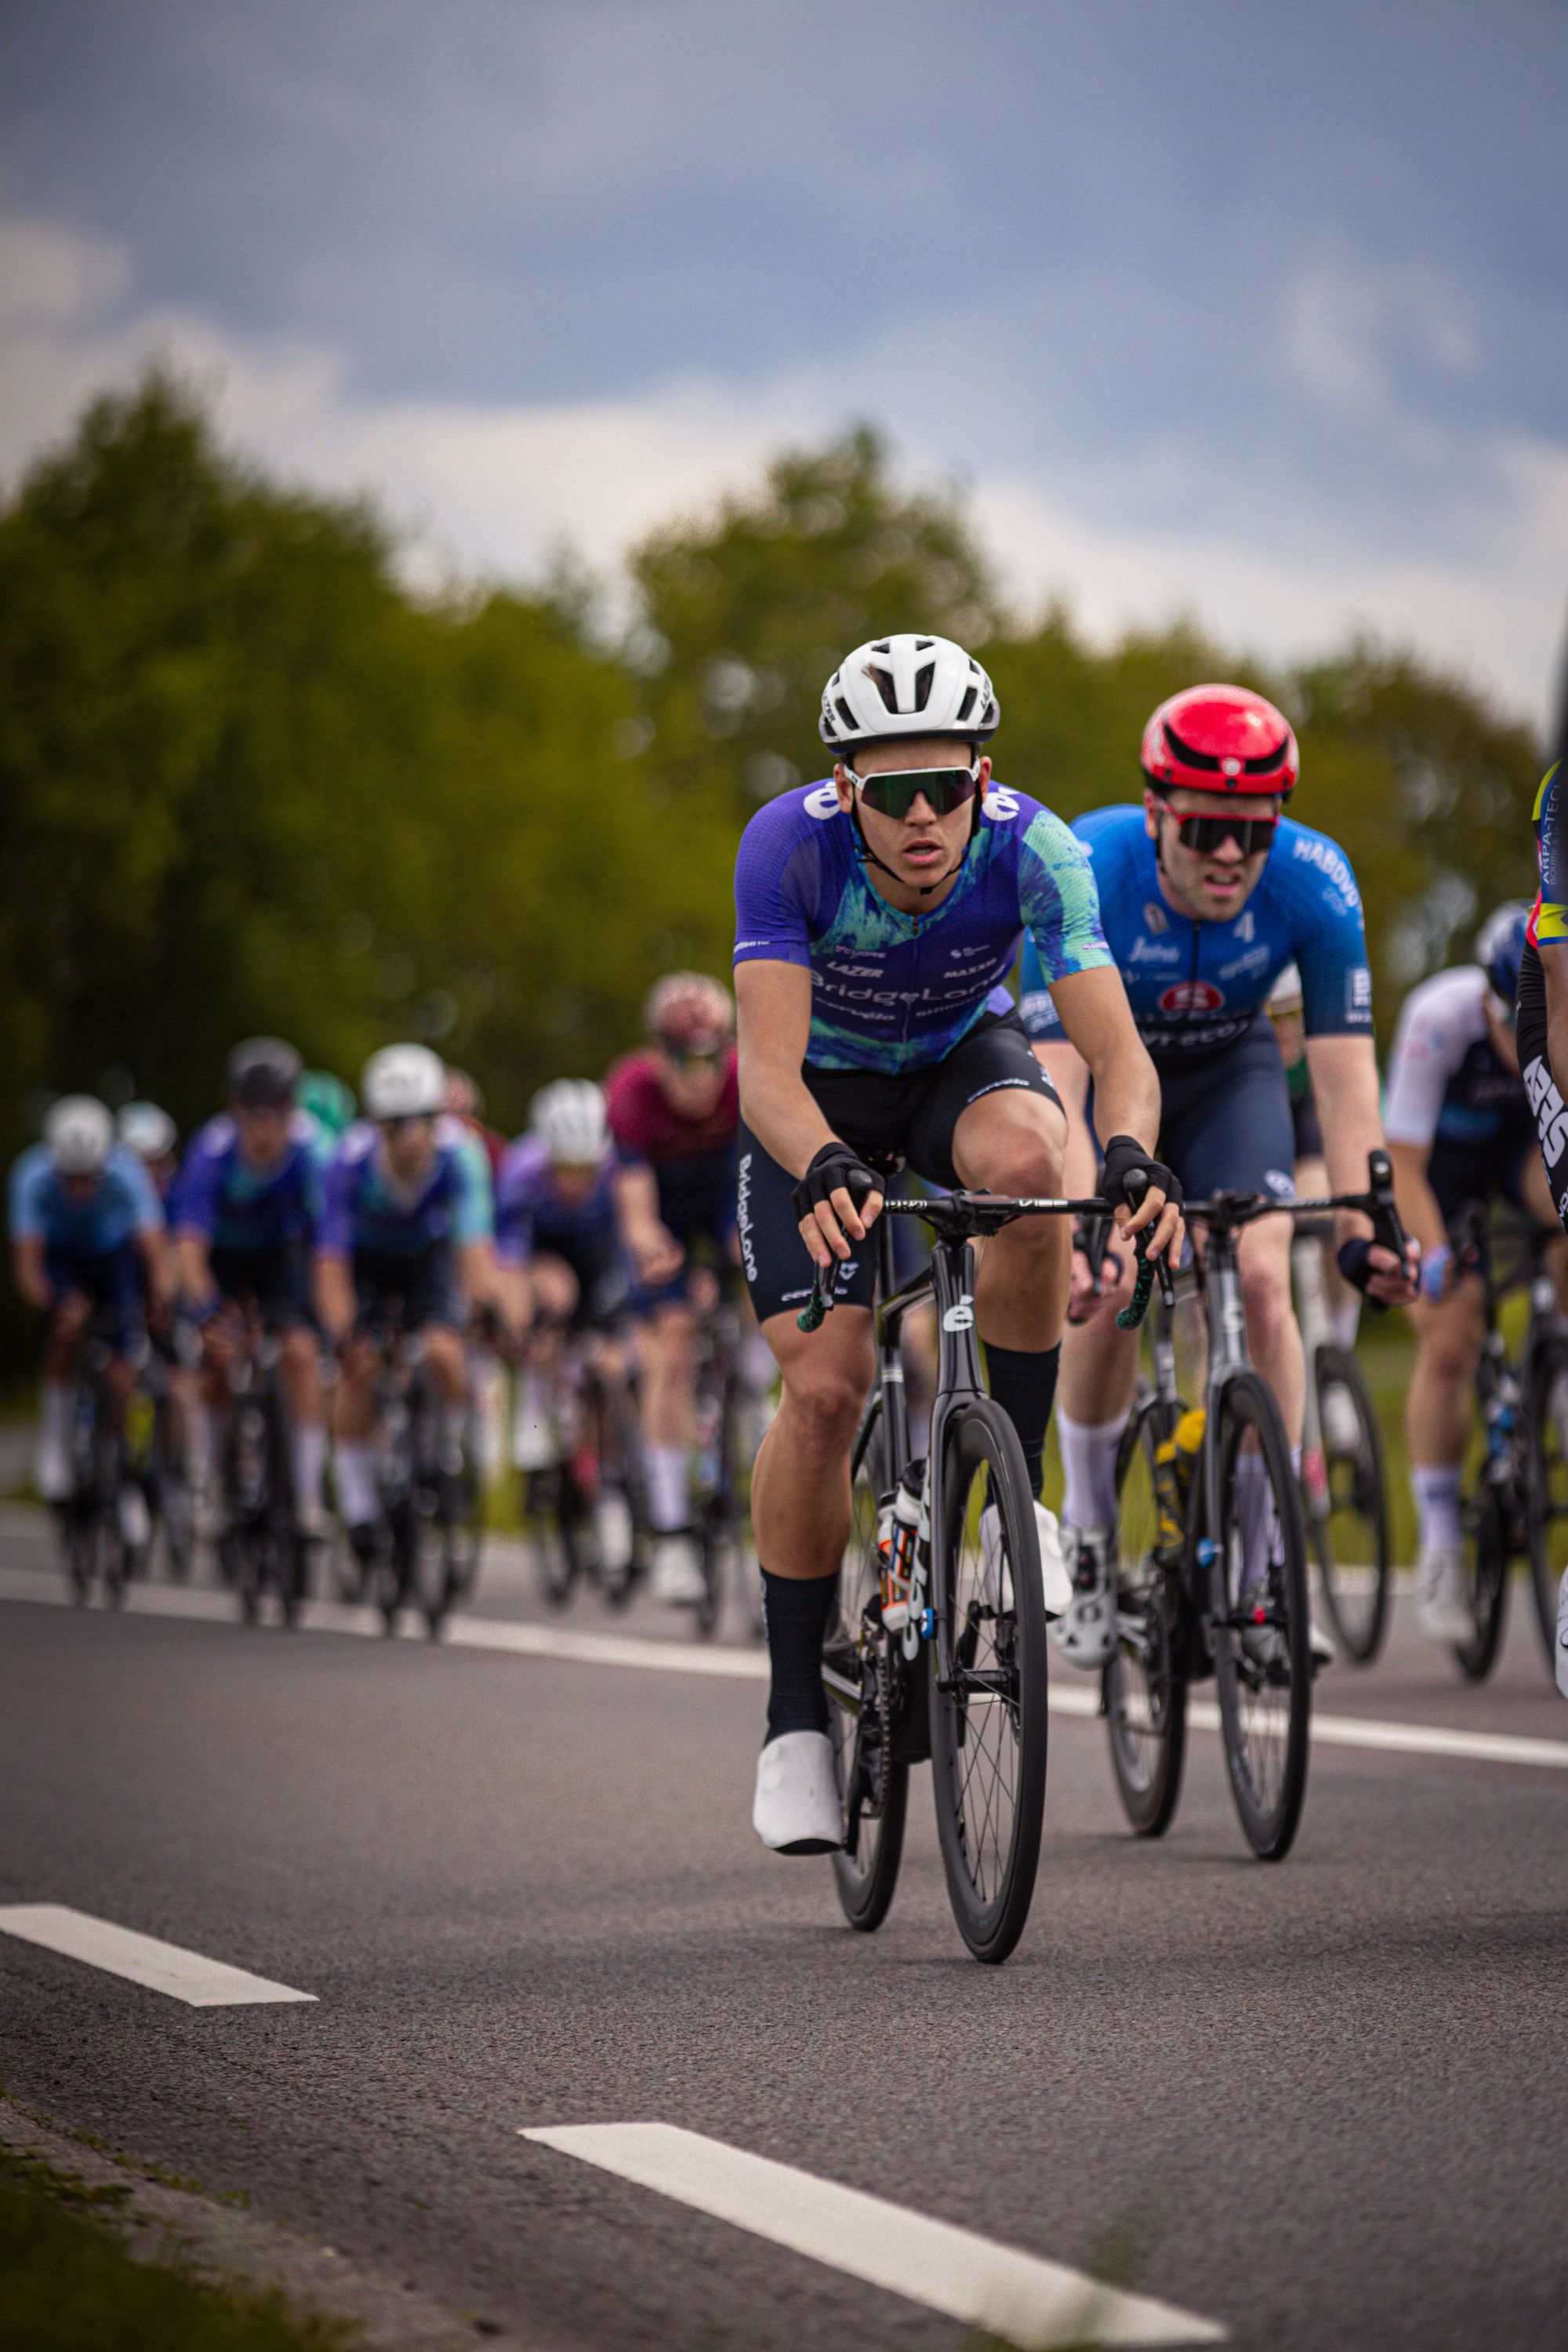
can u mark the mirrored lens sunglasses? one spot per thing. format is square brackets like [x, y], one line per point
[1204, 834]
[895, 794]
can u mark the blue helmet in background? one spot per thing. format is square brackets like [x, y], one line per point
[1500, 945]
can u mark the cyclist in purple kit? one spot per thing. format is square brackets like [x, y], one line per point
[877, 914]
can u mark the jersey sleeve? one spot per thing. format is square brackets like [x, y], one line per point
[1438, 1024]
[473, 1211]
[624, 1110]
[147, 1209]
[335, 1226]
[1036, 1007]
[1329, 940]
[195, 1199]
[770, 908]
[28, 1176]
[1058, 901]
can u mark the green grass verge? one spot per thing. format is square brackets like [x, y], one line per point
[68, 2284]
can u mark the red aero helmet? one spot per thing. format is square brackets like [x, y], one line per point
[1220, 739]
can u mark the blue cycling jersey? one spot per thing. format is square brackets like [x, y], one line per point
[367, 1213]
[1195, 988]
[532, 1214]
[123, 1203]
[893, 991]
[222, 1199]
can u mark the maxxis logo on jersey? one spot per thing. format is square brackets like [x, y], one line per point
[1193, 996]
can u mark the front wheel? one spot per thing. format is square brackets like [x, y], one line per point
[1347, 1506]
[859, 1674]
[1145, 1686]
[988, 1719]
[1482, 1518]
[1262, 1629]
[1546, 1486]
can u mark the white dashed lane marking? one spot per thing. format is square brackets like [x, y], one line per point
[988, 2286]
[164, 1968]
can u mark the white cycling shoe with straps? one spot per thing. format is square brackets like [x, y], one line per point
[797, 1809]
[1085, 1634]
[995, 1571]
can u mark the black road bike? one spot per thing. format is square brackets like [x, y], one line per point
[91, 1536]
[964, 1682]
[260, 1548]
[1211, 1556]
[1513, 1497]
[431, 1527]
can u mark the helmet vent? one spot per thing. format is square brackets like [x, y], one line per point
[925, 644]
[923, 676]
[844, 713]
[967, 705]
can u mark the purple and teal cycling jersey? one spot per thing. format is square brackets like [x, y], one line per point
[530, 1214]
[233, 1206]
[368, 1213]
[123, 1203]
[1196, 988]
[893, 991]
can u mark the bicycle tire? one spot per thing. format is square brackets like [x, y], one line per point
[1262, 1629]
[857, 1675]
[989, 1728]
[1546, 1486]
[1145, 1685]
[620, 1472]
[1486, 1581]
[249, 1570]
[79, 1539]
[712, 1541]
[1355, 1491]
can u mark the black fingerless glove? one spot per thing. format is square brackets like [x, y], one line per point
[1353, 1259]
[833, 1167]
[1129, 1172]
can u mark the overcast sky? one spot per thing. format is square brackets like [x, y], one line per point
[1253, 311]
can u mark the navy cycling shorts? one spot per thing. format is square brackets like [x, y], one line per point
[111, 1279]
[1225, 1119]
[276, 1277]
[422, 1288]
[697, 1204]
[914, 1113]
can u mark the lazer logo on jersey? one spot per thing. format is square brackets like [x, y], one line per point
[1193, 996]
[1550, 1117]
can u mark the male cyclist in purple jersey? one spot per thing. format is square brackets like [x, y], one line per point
[877, 915]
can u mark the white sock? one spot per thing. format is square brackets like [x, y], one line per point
[1345, 1321]
[354, 1468]
[1088, 1459]
[307, 1451]
[1437, 1507]
[55, 1413]
[531, 1405]
[667, 1498]
[52, 1476]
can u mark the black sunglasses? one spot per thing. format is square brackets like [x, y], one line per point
[1204, 834]
[895, 794]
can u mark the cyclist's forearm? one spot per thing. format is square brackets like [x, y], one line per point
[32, 1280]
[335, 1292]
[1418, 1203]
[781, 1113]
[193, 1267]
[1127, 1098]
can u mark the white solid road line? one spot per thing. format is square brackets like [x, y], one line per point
[162, 1967]
[991, 2287]
[682, 1657]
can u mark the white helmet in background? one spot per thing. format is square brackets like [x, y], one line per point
[1286, 991]
[907, 686]
[146, 1130]
[79, 1134]
[404, 1082]
[569, 1118]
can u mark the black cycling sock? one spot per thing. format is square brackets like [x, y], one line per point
[1024, 1383]
[796, 1610]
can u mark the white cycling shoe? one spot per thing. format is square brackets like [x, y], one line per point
[797, 1808]
[52, 1470]
[1085, 1634]
[675, 1576]
[996, 1572]
[1443, 1608]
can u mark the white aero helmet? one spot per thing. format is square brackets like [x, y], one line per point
[404, 1082]
[146, 1130]
[907, 686]
[1286, 991]
[569, 1118]
[79, 1134]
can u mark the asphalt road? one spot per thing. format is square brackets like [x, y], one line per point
[1322, 2104]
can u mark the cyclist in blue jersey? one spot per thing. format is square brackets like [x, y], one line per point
[86, 1235]
[408, 1221]
[245, 1210]
[877, 915]
[1207, 893]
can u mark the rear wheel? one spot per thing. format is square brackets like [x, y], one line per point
[1485, 1579]
[988, 1724]
[1347, 1506]
[1145, 1686]
[1263, 1653]
[857, 1672]
[1546, 1486]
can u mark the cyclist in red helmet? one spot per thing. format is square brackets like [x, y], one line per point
[1207, 891]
